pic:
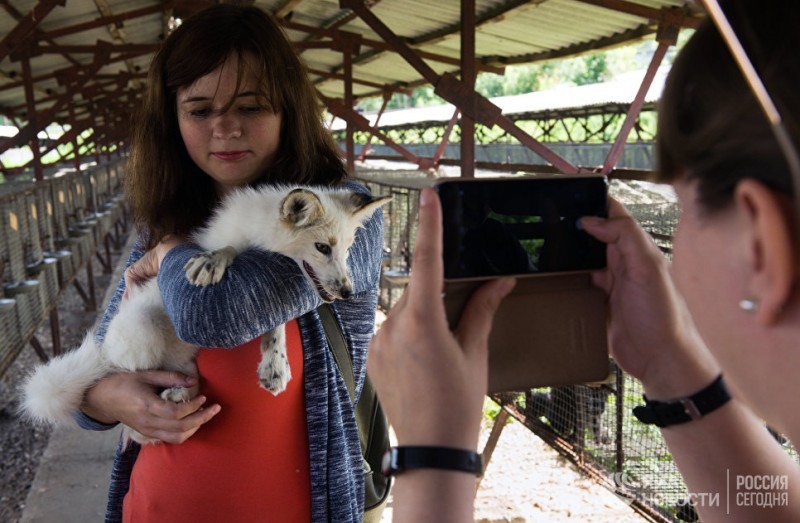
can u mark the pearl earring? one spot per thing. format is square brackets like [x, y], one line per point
[749, 305]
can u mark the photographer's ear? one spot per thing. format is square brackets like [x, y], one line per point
[769, 246]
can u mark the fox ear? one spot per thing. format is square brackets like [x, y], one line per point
[301, 208]
[363, 205]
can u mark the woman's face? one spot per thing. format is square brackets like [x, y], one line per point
[708, 269]
[236, 146]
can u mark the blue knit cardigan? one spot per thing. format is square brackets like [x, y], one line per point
[260, 291]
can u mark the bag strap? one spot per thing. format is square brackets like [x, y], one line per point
[339, 348]
[373, 428]
[368, 411]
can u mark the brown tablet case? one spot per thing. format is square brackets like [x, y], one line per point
[551, 330]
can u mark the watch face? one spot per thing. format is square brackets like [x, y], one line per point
[386, 462]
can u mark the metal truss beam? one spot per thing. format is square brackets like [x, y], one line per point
[29, 131]
[456, 92]
[347, 114]
[27, 25]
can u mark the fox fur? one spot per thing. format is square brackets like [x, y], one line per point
[313, 226]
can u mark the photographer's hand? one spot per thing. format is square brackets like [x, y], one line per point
[431, 381]
[651, 334]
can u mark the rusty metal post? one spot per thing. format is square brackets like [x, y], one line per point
[667, 35]
[386, 97]
[347, 61]
[620, 414]
[350, 116]
[75, 147]
[491, 442]
[468, 77]
[633, 112]
[446, 137]
[27, 78]
[55, 331]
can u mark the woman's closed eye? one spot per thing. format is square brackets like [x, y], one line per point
[253, 109]
[199, 112]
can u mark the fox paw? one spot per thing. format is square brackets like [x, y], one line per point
[208, 268]
[177, 394]
[274, 373]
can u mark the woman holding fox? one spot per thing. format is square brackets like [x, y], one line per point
[228, 104]
[728, 306]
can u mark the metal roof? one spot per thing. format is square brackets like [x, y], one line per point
[88, 58]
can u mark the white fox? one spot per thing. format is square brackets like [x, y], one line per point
[315, 227]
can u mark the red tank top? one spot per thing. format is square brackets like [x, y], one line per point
[249, 463]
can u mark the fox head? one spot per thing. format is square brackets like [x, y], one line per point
[322, 226]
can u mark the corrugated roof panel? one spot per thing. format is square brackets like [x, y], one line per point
[509, 31]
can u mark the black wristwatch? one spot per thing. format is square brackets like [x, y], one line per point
[666, 413]
[400, 459]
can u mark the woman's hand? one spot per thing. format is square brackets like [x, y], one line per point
[148, 265]
[431, 381]
[132, 398]
[651, 334]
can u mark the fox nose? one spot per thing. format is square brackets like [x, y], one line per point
[346, 292]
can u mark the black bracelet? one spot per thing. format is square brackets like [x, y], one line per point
[400, 459]
[664, 414]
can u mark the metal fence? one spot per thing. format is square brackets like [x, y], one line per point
[637, 155]
[591, 425]
[50, 230]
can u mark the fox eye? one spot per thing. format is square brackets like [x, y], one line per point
[323, 248]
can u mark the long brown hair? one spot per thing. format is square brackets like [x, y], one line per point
[168, 192]
[711, 128]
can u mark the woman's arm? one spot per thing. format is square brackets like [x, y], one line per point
[132, 397]
[260, 290]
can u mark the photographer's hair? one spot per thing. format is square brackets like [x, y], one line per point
[711, 127]
[168, 192]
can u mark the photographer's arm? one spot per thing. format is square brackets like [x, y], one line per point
[418, 366]
[653, 337]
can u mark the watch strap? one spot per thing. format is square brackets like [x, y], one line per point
[666, 413]
[400, 459]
